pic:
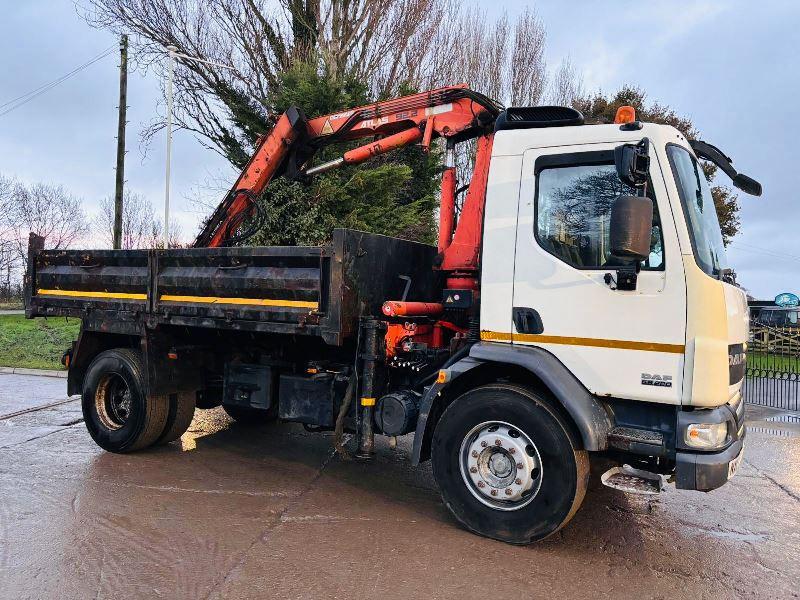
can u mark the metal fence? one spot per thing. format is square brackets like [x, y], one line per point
[772, 377]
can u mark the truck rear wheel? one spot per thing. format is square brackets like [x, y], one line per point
[506, 464]
[118, 413]
[181, 413]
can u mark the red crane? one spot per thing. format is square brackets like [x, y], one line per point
[455, 113]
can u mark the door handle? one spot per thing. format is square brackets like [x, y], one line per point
[527, 320]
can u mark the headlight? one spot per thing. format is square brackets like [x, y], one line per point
[707, 436]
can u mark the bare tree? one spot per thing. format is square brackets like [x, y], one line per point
[566, 85]
[472, 50]
[502, 60]
[8, 268]
[155, 239]
[8, 256]
[6, 188]
[140, 228]
[527, 64]
[47, 210]
[379, 42]
[384, 44]
[137, 221]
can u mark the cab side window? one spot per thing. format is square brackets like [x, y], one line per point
[573, 206]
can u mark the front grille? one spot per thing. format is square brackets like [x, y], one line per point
[629, 434]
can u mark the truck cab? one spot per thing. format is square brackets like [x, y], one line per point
[670, 344]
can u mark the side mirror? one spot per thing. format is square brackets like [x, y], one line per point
[630, 227]
[633, 162]
[747, 184]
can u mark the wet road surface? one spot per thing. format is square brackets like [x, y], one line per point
[230, 512]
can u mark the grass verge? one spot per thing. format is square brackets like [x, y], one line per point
[35, 343]
[774, 362]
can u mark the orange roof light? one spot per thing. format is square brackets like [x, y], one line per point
[625, 114]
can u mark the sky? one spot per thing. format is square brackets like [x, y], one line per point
[732, 66]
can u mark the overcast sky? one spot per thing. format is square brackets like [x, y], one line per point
[732, 66]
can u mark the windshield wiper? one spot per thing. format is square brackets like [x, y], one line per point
[710, 152]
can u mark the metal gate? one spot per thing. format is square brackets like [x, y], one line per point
[772, 377]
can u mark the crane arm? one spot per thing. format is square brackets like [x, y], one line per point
[452, 112]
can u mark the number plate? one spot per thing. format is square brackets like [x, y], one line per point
[734, 464]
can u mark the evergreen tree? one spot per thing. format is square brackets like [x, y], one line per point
[394, 194]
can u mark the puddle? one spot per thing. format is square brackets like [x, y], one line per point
[785, 418]
[739, 537]
[775, 422]
[773, 431]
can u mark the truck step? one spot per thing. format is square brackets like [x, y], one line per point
[632, 481]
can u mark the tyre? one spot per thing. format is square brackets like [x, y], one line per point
[244, 415]
[119, 415]
[506, 464]
[181, 413]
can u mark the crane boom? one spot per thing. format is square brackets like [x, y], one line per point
[455, 113]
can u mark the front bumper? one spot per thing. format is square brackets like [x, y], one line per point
[707, 471]
[658, 431]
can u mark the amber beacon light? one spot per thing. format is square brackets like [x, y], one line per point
[625, 114]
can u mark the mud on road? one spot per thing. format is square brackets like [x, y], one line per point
[231, 512]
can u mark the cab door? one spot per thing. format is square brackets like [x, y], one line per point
[566, 296]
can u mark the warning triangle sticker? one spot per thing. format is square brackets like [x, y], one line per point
[326, 129]
[449, 299]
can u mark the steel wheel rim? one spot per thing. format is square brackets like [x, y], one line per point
[112, 401]
[500, 465]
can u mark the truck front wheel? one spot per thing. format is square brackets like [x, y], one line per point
[119, 414]
[506, 464]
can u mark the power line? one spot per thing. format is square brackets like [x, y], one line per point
[763, 251]
[19, 101]
[765, 254]
[60, 79]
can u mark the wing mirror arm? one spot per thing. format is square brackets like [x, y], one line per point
[710, 152]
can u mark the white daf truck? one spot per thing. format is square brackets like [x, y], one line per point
[580, 303]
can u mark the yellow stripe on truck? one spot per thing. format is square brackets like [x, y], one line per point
[79, 294]
[239, 301]
[582, 341]
[97, 295]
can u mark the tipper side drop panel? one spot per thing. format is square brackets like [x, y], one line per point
[305, 290]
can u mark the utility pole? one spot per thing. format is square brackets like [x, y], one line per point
[123, 106]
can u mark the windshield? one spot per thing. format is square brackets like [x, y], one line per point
[701, 215]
